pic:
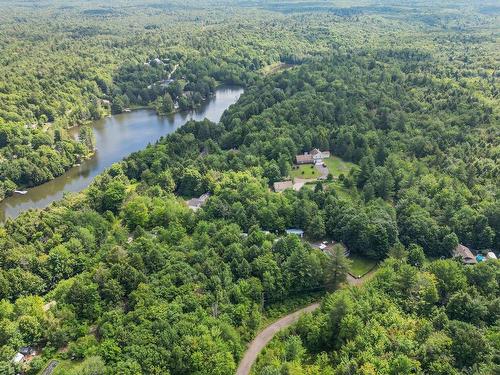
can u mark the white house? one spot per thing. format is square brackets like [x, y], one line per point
[196, 203]
[314, 157]
[318, 155]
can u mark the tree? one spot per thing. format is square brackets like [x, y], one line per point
[469, 345]
[113, 196]
[190, 183]
[86, 137]
[60, 263]
[164, 104]
[83, 295]
[416, 256]
[136, 212]
[316, 227]
[465, 308]
[450, 277]
[166, 181]
[338, 266]
[272, 172]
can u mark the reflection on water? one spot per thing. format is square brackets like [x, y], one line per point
[116, 137]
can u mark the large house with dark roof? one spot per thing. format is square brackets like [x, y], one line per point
[314, 157]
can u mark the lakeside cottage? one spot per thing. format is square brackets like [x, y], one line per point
[316, 156]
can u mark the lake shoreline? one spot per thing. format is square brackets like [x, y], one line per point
[116, 138]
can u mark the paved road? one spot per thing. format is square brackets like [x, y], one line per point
[266, 335]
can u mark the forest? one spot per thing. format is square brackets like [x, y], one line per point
[436, 319]
[87, 63]
[125, 278]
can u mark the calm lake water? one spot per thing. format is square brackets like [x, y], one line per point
[116, 137]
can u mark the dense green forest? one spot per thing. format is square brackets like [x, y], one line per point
[124, 278]
[89, 61]
[440, 319]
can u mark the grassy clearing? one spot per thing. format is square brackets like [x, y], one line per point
[360, 265]
[336, 166]
[62, 367]
[306, 171]
[340, 189]
[275, 68]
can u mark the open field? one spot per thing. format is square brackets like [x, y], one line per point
[360, 265]
[337, 166]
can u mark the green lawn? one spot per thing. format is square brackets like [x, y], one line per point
[360, 265]
[62, 367]
[337, 166]
[340, 189]
[275, 68]
[305, 171]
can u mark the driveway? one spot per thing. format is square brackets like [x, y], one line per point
[266, 335]
[298, 183]
[323, 170]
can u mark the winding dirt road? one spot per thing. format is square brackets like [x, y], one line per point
[266, 335]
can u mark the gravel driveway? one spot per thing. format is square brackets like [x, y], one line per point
[266, 335]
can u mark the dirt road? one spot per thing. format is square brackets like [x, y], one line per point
[266, 335]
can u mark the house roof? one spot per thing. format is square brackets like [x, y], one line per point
[195, 203]
[315, 151]
[26, 350]
[282, 185]
[464, 252]
[295, 231]
[304, 158]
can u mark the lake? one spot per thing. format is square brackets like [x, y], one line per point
[115, 138]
